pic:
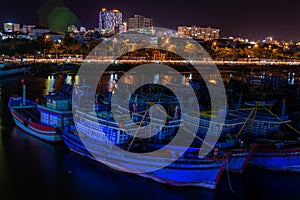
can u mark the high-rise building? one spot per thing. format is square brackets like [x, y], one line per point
[109, 21]
[11, 27]
[139, 22]
[73, 29]
[82, 30]
[27, 28]
[197, 32]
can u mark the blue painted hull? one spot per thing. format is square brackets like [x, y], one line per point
[276, 159]
[184, 172]
[238, 161]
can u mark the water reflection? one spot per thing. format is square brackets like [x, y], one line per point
[95, 181]
[49, 84]
[291, 78]
[57, 80]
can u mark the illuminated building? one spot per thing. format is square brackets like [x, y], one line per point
[39, 31]
[11, 27]
[197, 32]
[73, 29]
[139, 22]
[27, 28]
[53, 36]
[109, 21]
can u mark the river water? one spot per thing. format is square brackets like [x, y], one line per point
[31, 168]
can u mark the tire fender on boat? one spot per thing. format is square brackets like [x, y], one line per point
[25, 123]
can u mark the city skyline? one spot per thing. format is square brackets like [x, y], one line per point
[255, 20]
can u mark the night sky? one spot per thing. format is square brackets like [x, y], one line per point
[254, 19]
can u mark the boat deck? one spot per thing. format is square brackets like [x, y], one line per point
[29, 113]
[17, 102]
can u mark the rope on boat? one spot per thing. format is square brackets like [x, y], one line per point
[226, 159]
[281, 120]
[245, 122]
[227, 171]
[189, 131]
[137, 130]
[197, 137]
[228, 110]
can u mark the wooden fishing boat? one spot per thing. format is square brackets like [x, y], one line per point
[277, 155]
[271, 154]
[240, 153]
[188, 170]
[99, 131]
[42, 120]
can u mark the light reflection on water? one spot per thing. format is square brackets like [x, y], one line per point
[49, 84]
[51, 79]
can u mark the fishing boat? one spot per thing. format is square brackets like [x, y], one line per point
[277, 155]
[186, 171]
[228, 142]
[241, 125]
[271, 153]
[100, 131]
[269, 81]
[42, 120]
[9, 70]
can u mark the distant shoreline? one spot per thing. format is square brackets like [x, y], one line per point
[45, 68]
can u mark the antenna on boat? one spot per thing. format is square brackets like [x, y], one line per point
[283, 106]
[24, 92]
[240, 101]
[150, 115]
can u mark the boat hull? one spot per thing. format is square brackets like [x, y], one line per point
[43, 132]
[202, 173]
[277, 159]
[239, 159]
[203, 177]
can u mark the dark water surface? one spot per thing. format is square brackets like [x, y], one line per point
[33, 169]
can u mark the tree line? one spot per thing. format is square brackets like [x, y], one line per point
[68, 45]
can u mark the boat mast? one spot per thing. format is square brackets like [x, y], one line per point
[24, 93]
[150, 113]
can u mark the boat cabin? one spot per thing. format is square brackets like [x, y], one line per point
[57, 111]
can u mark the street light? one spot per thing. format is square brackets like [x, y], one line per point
[56, 48]
[254, 48]
[214, 45]
[233, 52]
[46, 39]
[270, 48]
